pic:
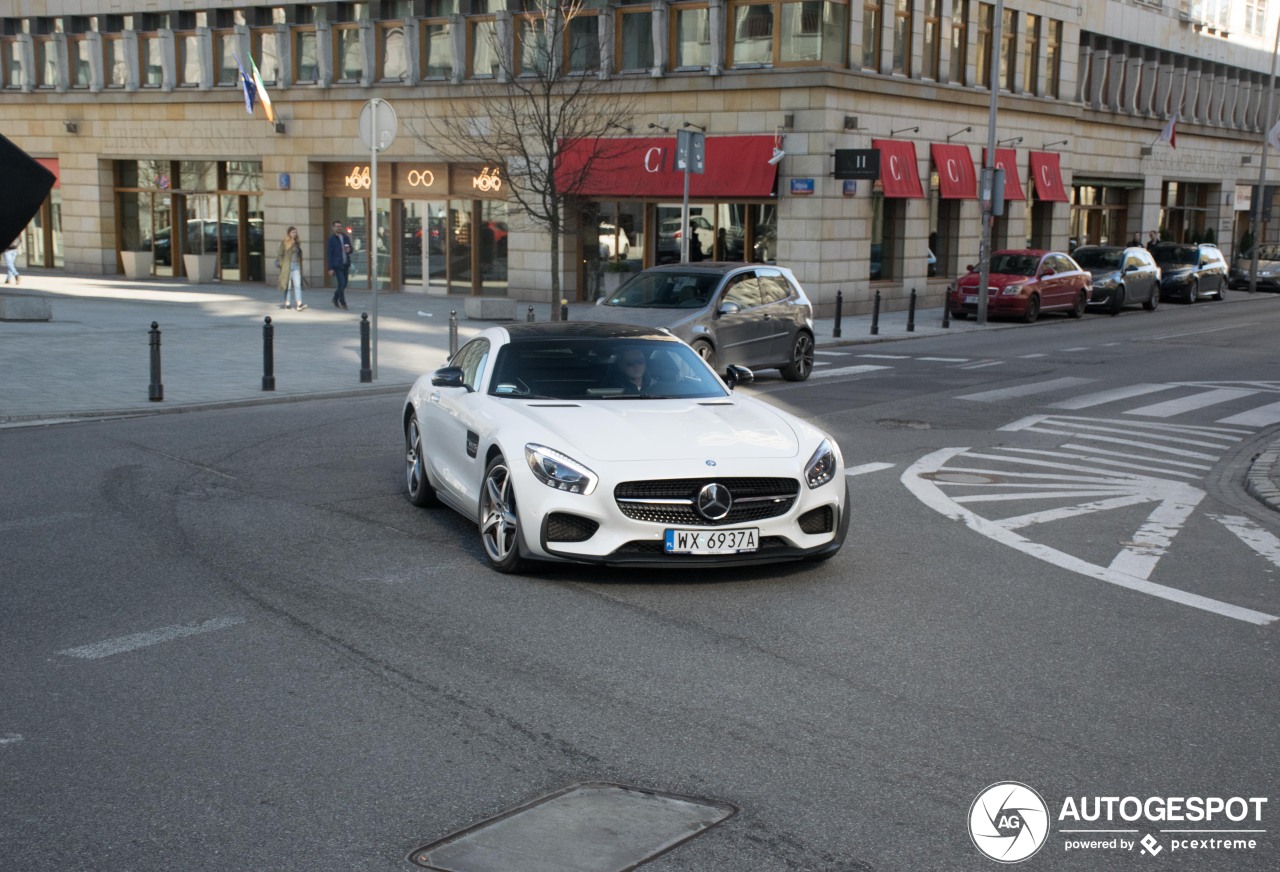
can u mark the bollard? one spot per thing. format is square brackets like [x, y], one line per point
[835, 333]
[875, 317]
[366, 370]
[564, 310]
[453, 332]
[268, 355]
[529, 316]
[156, 392]
[911, 313]
[946, 310]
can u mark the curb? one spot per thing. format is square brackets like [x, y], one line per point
[1260, 481]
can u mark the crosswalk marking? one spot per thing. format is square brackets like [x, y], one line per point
[1201, 400]
[1110, 396]
[1263, 416]
[982, 365]
[834, 353]
[887, 356]
[846, 370]
[1126, 463]
[1044, 387]
[946, 359]
[1261, 541]
[864, 468]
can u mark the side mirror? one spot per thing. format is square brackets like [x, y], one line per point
[969, 268]
[448, 377]
[736, 375]
[728, 309]
[1046, 273]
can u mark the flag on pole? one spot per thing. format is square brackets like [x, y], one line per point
[1168, 136]
[262, 92]
[1273, 135]
[250, 90]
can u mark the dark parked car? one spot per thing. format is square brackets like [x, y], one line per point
[1022, 283]
[1121, 276]
[1191, 272]
[1268, 269]
[731, 313]
[163, 248]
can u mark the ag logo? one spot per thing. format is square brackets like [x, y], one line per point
[1008, 822]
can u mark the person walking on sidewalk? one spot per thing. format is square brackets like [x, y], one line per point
[290, 261]
[337, 255]
[11, 262]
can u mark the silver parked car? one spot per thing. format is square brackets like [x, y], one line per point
[1268, 269]
[1121, 276]
[752, 315]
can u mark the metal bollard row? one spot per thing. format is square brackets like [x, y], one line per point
[155, 393]
[268, 355]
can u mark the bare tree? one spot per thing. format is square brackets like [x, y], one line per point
[546, 115]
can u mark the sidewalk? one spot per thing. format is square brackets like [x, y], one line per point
[93, 358]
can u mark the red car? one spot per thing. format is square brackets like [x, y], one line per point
[1022, 284]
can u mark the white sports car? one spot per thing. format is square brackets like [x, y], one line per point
[614, 444]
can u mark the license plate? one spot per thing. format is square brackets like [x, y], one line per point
[970, 298]
[713, 541]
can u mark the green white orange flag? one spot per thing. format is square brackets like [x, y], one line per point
[262, 92]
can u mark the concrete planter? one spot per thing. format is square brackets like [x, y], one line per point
[137, 264]
[201, 268]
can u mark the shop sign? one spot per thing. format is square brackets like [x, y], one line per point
[857, 163]
[483, 181]
[1244, 198]
[416, 178]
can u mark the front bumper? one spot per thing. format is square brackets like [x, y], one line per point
[1011, 305]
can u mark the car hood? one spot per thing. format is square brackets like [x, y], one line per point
[1170, 272]
[711, 429]
[642, 317]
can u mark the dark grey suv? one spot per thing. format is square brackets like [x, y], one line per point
[751, 315]
[1191, 272]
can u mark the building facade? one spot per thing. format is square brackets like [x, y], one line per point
[139, 110]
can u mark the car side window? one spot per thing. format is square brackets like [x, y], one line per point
[774, 288]
[471, 359]
[744, 290]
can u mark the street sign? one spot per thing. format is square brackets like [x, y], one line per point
[857, 163]
[378, 125]
[691, 151]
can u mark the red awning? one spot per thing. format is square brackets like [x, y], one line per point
[955, 171]
[51, 164]
[899, 174]
[1046, 171]
[630, 167]
[1007, 160]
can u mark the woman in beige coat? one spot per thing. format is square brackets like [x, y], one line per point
[290, 262]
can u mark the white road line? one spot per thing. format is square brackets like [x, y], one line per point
[946, 359]
[1189, 333]
[1252, 535]
[1201, 400]
[1126, 464]
[887, 356]
[1152, 541]
[1027, 356]
[1079, 348]
[1263, 416]
[834, 353]
[868, 467]
[1044, 387]
[931, 495]
[151, 637]
[1164, 461]
[1101, 397]
[10, 738]
[1153, 426]
[1043, 495]
[981, 365]
[846, 370]
[1216, 442]
[1050, 515]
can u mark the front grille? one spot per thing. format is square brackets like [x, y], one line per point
[564, 527]
[672, 501]
[819, 520]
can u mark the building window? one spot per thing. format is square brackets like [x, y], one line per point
[871, 35]
[224, 59]
[117, 66]
[986, 23]
[932, 42]
[902, 11]
[268, 45]
[1255, 16]
[1032, 54]
[348, 59]
[437, 48]
[482, 42]
[12, 67]
[1008, 49]
[188, 52]
[152, 67]
[814, 31]
[393, 55]
[635, 38]
[306, 56]
[46, 64]
[78, 54]
[533, 51]
[691, 37]
[959, 39]
[1052, 55]
[753, 29]
[582, 42]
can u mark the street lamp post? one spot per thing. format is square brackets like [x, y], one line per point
[1262, 172]
[989, 169]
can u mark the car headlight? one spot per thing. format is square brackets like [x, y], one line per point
[1011, 290]
[821, 467]
[555, 470]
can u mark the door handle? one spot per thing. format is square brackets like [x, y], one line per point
[434, 398]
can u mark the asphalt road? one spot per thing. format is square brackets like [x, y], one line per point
[231, 644]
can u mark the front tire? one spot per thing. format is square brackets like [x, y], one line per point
[1117, 300]
[499, 520]
[1033, 309]
[1082, 301]
[705, 351]
[801, 358]
[1193, 293]
[1153, 302]
[421, 493]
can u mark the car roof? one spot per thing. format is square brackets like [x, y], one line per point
[1102, 248]
[719, 267]
[1037, 252]
[543, 330]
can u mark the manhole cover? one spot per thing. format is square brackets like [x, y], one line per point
[962, 477]
[583, 828]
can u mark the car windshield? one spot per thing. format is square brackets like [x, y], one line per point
[1177, 255]
[1098, 258]
[1014, 264]
[666, 290]
[578, 368]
